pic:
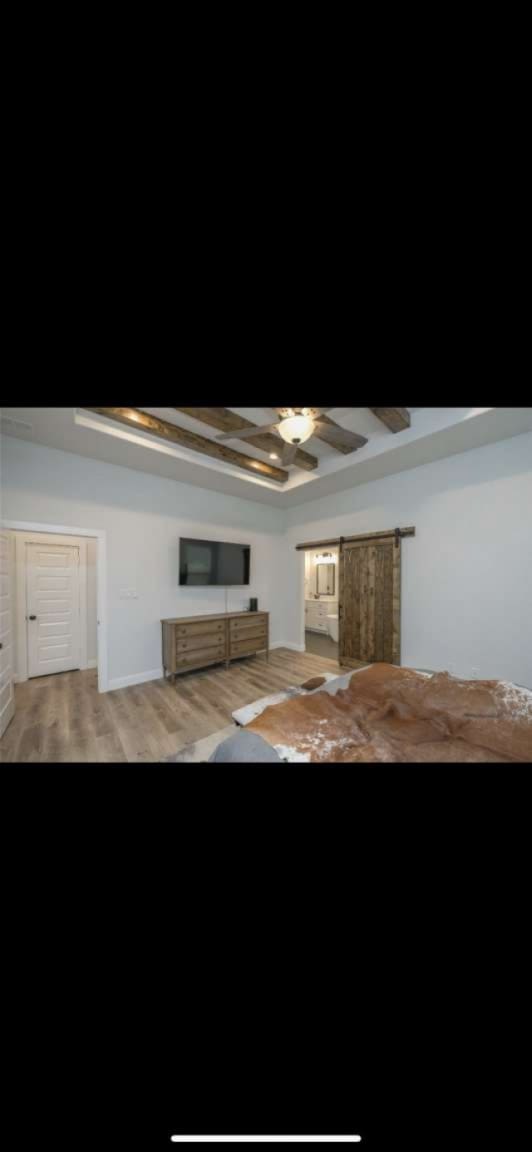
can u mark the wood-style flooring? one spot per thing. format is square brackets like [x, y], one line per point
[320, 645]
[63, 718]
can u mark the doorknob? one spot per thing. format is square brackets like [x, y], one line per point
[32, 617]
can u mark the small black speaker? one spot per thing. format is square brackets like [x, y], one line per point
[253, 605]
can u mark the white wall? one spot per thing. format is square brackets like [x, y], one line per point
[466, 574]
[144, 516]
[466, 579]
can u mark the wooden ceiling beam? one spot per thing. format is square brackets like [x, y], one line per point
[396, 419]
[226, 421]
[165, 430]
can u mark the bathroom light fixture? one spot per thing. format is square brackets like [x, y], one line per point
[296, 429]
[325, 558]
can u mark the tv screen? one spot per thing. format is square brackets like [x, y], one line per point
[207, 562]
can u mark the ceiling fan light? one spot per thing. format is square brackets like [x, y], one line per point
[296, 429]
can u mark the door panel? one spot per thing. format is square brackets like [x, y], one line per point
[53, 599]
[370, 601]
[7, 665]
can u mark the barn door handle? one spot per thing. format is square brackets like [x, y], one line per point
[32, 617]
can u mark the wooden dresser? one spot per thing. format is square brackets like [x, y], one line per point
[196, 641]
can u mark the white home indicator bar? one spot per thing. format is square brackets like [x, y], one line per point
[266, 1139]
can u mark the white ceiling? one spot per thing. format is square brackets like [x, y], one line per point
[434, 433]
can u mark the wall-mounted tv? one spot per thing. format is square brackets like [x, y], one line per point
[208, 562]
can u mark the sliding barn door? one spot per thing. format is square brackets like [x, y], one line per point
[370, 601]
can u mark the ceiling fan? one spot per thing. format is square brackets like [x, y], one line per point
[295, 426]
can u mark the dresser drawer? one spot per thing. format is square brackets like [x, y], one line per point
[200, 656]
[194, 643]
[248, 632]
[201, 629]
[245, 646]
[253, 620]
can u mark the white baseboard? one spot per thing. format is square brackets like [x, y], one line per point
[137, 678]
[90, 664]
[158, 673]
[287, 644]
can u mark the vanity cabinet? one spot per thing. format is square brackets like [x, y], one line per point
[316, 612]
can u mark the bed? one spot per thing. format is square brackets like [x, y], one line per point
[387, 714]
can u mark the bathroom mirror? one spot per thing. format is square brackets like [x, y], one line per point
[325, 579]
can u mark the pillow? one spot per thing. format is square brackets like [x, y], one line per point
[244, 748]
[315, 682]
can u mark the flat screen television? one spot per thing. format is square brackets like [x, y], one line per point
[208, 562]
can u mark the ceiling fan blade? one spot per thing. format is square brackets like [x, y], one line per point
[246, 433]
[289, 453]
[337, 435]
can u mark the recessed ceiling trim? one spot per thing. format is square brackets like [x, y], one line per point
[99, 423]
[166, 430]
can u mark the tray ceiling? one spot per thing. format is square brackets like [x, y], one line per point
[432, 434]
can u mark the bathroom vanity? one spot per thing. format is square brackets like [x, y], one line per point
[321, 594]
[316, 613]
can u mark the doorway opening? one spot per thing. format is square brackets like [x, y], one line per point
[321, 602]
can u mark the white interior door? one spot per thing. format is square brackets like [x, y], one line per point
[7, 664]
[53, 615]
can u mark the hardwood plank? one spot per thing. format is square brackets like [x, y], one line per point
[32, 742]
[396, 419]
[165, 430]
[226, 421]
[79, 752]
[396, 605]
[137, 745]
[372, 558]
[350, 629]
[363, 602]
[388, 604]
[356, 652]
[379, 603]
[109, 749]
